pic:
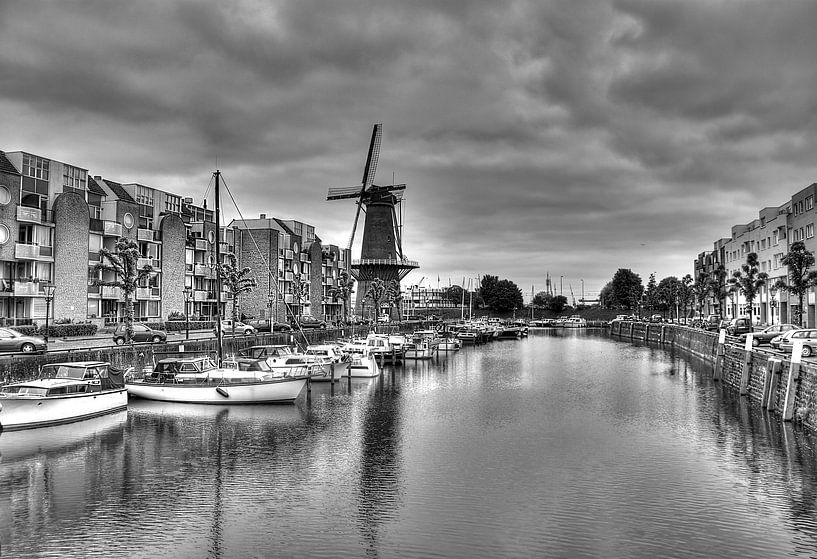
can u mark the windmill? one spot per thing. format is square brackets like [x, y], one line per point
[381, 254]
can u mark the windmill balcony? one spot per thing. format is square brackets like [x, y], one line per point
[111, 229]
[29, 215]
[386, 261]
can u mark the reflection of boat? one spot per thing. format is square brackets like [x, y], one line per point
[288, 415]
[64, 392]
[16, 445]
[198, 380]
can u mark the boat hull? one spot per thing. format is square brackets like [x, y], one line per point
[30, 413]
[277, 391]
[341, 369]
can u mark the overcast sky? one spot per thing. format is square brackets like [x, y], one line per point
[574, 137]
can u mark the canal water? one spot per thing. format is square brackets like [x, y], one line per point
[565, 444]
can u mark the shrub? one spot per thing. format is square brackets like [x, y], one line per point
[180, 325]
[175, 315]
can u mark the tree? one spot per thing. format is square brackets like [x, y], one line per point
[557, 303]
[801, 277]
[626, 289]
[541, 299]
[394, 297]
[606, 298]
[506, 296]
[668, 289]
[686, 294]
[300, 292]
[454, 294]
[123, 262]
[651, 294]
[377, 293]
[718, 288]
[237, 281]
[487, 288]
[746, 280]
[343, 290]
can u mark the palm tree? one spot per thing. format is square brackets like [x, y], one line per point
[718, 288]
[394, 297]
[377, 293]
[801, 277]
[237, 281]
[124, 263]
[300, 291]
[343, 290]
[746, 280]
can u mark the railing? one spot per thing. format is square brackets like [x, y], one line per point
[111, 229]
[305, 257]
[201, 244]
[143, 293]
[199, 295]
[289, 298]
[110, 292]
[142, 262]
[26, 288]
[31, 215]
[288, 254]
[22, 250]
[288, 276]
[144, 234]
[385, 261]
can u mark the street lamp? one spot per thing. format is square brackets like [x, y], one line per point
[48, 290]
[561, 285]
[187, 293]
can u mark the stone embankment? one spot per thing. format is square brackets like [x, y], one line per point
[768, 379]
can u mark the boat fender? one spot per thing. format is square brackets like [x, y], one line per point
[223, 392]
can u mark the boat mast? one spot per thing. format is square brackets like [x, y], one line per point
[219, 333]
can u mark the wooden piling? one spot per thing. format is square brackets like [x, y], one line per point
[791, 381]
[773, 367]
[747, 366]
[718, 371]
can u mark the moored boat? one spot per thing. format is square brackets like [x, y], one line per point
[63, 393]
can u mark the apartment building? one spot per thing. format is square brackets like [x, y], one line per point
[55, 217]
[769, 236]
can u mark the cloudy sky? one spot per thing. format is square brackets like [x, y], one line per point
[574, 137]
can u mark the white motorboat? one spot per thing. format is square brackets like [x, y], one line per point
[285, 362]
[422, 345]
[64, 392]
[449, 343]
[361, 361]
[575, 322]
[197, 380]
[386, 348]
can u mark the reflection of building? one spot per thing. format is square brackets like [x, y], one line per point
[55, 218]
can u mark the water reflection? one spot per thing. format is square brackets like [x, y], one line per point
[566, 444]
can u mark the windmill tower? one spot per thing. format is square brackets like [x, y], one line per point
[381, 255]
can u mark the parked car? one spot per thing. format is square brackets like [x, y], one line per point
[809, 338]
[765, 336]
[656, 318]
[383, 319]
[309, 321]
[777, 340]
[141, 333]
[240, 328]
[738, 326]
[711, 323]
[266, 325]
[14, 341]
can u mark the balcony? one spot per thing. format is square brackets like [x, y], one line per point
[23, 251]
[110, 292]
[305, 257]
[111, 229]
[142, 262]
[288, 254]
[288, 276]
[201, 244]
[26, 288]
[289, 298]
[200, 269]
[29, 215]
[143, 293]
[144, 234]
[199, 295]
[225, 297]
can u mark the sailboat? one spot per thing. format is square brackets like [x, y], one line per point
[202, 380]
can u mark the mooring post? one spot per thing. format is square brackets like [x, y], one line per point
[719, 356]
[663, 334]
[791, 382]
[747, 365]
[773, 366]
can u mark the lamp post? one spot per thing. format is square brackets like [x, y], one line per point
[561, 285]
[582, 280]
[187, 293]
[48, 290]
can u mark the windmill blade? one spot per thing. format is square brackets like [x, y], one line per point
[343, 193]
[387, 187]
[372, 158]
[354, 225]
[398, 227]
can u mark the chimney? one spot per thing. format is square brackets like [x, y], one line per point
[263, 216]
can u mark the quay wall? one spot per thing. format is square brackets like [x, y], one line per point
[767, 379]
[17, 367]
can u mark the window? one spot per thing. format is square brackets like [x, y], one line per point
[800, 234]
[127, 220]
[73, 177]
[144, 195]
[4, 234]
[173, 203]
[762, 244]
[809, 230]
[800, 206]
[809, 202]
[36, 167]
[5, 195]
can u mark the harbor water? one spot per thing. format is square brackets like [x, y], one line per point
[564, 444]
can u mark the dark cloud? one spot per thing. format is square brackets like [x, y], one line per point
[572, 136]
